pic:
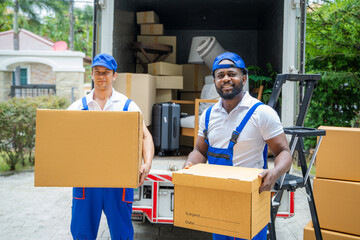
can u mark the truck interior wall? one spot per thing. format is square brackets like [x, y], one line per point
[251, 28]
[124, 32]
[270, 36]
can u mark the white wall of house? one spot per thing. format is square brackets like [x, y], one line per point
[68, 68]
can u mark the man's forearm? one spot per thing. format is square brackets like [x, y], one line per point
[148, 149]
[282, 163]
[195, 157]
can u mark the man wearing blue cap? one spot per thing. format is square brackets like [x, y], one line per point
[236, 129]
[88, 203]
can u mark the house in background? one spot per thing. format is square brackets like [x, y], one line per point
[44, 64]
[32, 73]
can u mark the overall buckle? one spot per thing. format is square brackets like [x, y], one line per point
[234, 136]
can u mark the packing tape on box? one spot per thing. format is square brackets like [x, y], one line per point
[128, 85]
[145, 16]
[151, 30]
[196, 84]
[156, 40]
[155, 70]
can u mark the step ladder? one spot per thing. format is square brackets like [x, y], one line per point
[288, 182]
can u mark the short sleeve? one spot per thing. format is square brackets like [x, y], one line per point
[202, 124]
[269, 123]
[133, 107]
[77, 105]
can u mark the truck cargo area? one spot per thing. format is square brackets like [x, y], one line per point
[253, 29]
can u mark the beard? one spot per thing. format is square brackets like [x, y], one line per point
[230, 95]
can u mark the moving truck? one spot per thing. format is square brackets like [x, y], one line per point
[260, 31]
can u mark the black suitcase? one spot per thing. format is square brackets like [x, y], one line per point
[166, 128]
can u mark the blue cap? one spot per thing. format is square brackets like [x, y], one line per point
[236, 59]
[105, 60]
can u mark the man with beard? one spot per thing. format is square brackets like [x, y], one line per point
[236, 129]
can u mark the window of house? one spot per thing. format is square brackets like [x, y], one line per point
[24, 75]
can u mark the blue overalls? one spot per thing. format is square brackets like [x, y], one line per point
[224, 156]
[88, 204]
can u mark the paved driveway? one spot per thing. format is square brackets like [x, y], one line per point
[39, 213]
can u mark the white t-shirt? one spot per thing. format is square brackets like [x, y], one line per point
[115, 103]
[263, 125]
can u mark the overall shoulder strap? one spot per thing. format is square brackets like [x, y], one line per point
[241, 126]
[207, 119]
[126, 106]
[84, 102]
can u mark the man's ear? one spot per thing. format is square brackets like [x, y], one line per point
[245, 78]
[115, 75]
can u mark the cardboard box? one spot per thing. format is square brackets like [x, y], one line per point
[152, 29]
[169, 82]
[194, 76]
[309, 234]
[338, 156]
[169, 40]
[165, 95]
[337, 205]
[164, 69]
[146, 17]
[88, 148]
[140, 88]
[220, 199]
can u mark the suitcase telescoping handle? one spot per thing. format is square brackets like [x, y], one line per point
[175, 127]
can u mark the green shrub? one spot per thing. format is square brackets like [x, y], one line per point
[18, 120]
[335, 101]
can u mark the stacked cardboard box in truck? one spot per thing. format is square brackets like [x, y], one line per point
[168, 77]
[140, 88]
[149, 23]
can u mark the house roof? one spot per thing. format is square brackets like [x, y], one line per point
[28, 41]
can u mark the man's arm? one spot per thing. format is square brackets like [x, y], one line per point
[280, 148]
[198, 155]
[148, 154]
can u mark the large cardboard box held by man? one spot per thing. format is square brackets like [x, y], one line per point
[338, 156]
[88, 148]
[141, 88]
[337, 205]
[309, 234]
[220, 199]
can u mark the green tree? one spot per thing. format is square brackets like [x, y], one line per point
[333, 50]
[333, 36]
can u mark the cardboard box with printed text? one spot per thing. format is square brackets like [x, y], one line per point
[88, 148]
[220, 199]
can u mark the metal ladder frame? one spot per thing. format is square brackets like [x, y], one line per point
[309, 81]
